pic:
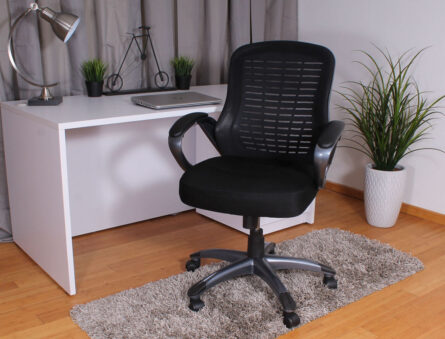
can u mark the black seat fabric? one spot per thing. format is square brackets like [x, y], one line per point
[246, 186]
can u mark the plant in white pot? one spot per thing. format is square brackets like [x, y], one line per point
[389, 116]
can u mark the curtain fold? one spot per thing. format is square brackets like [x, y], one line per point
[160, 15]
[77, 50]
[206, 30]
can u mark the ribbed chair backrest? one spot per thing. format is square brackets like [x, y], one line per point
[277, 100]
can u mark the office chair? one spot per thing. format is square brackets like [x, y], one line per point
[276, 145]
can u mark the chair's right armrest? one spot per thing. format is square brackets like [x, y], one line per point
[181, 126]
[325, 149]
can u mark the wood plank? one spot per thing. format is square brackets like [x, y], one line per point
[33, 306]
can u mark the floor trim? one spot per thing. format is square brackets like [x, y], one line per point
[406, 208]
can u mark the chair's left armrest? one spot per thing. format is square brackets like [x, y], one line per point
[325, 149]
[181, 126]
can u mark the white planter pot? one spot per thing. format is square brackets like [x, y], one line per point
[383, 195]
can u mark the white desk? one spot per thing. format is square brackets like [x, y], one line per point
[91, 164]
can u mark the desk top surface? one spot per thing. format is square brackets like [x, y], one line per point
[82, 111]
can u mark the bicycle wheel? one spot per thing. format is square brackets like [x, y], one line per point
[161, 79]
[115, 82]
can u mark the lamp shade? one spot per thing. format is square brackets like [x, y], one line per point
[63, 24]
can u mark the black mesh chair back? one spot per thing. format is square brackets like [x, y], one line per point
[277, 100]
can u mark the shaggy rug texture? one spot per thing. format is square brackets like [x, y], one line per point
[245, 307]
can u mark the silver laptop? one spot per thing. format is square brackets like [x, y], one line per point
[171, 100]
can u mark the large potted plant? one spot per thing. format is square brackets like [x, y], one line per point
[94, 73]
[183, 71]
[389, 115]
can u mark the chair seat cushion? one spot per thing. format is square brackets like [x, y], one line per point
[251, 187]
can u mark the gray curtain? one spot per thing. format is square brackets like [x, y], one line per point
[206, 30]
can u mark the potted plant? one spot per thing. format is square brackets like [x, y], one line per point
[94, 73]
[389, 116]
[183, 71]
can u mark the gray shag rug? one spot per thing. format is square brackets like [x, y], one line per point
[245, 307]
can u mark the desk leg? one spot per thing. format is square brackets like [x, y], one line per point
[36, 170]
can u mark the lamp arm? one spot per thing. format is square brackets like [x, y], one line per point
[11, 53]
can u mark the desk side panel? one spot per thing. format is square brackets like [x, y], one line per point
[36, 176]
[123, 173]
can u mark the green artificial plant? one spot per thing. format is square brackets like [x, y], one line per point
[94, 70]
[183, 65]
[389, 114]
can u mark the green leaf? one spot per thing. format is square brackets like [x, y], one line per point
[93, 70]
[388, 114]
[183, 65]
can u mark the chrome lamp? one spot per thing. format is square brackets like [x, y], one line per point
[63, 25]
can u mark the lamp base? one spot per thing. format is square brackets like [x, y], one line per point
[38, 101]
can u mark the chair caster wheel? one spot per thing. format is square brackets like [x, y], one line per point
[193, 264]
[291, 319]
[330, 282]
[196, 304]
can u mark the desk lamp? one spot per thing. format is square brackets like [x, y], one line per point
[63, 25]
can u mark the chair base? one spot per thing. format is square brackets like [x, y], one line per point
[258, 260]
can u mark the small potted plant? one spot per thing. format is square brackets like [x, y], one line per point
[183, 71]
[94, 73]
[388, 116]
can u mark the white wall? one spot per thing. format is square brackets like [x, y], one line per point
[397, 25]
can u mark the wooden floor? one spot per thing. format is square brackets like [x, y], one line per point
[33, 306]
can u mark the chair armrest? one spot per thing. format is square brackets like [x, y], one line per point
[325, 149]
[181, 126]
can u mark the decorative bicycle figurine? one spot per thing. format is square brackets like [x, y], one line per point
[115, 81]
